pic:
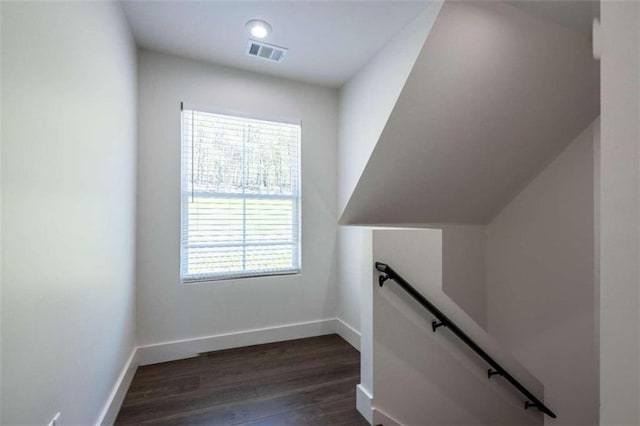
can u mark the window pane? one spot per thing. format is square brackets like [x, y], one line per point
[241, 196]
[270, 220]
[270, 257]
[215, 220]
[204, 261]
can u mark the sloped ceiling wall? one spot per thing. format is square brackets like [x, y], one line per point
[368, 98]
[495, 94]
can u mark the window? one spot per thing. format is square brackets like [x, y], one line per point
[240, 197]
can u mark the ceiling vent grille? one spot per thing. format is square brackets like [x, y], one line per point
[266, 51]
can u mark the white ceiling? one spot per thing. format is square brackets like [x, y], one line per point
[328, 41]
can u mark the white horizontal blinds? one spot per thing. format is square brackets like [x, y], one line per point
[241, 197]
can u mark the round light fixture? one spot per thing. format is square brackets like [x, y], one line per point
[259, 28]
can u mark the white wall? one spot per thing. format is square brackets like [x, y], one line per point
[168, 310]
[367, 99]
[494, 95]
[354, 268]
[463, 266]
[365, 103]
[1, 136]
[68, 186]
[540, 281]
[463, 269]
[421, 377]
[355, 298]
[463, 280]
[619, 220]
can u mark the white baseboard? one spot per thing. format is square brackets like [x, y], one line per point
[363, 403]
[188, 348]
[382, 418]
[375, 416]
[348, 333]
[110, 411]
[180, 349]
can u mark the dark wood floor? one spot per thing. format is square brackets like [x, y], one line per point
[298, 382]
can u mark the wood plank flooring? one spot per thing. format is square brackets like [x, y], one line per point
[298, 382]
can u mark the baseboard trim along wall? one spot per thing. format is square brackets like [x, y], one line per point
[188, 348]
[348, 333]
[382, 418]
[364, 401]
[114, 402]
[171, 351]
[375, 416]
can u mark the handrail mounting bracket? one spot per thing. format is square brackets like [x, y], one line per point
[491, 372]
[435, 324]
[529, 404]
[382, 279]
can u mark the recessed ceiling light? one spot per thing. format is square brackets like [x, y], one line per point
[258, 28]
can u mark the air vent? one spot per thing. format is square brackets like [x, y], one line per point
[266, 51]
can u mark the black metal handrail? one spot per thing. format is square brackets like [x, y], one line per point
[444, 321]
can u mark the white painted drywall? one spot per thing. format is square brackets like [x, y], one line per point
[494, 95]
[463, 281]
[354, 268]
[463, 266]
[68, 218]
[463, 269]
[540, 281]
[355, 298]
[168, 310]
[367, 99]
[619, 220]
[1, 135]
[365, 103]
[421, 377]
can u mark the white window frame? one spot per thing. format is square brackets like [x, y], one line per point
[185, 194]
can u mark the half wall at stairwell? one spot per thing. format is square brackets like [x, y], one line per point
[422, 377]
